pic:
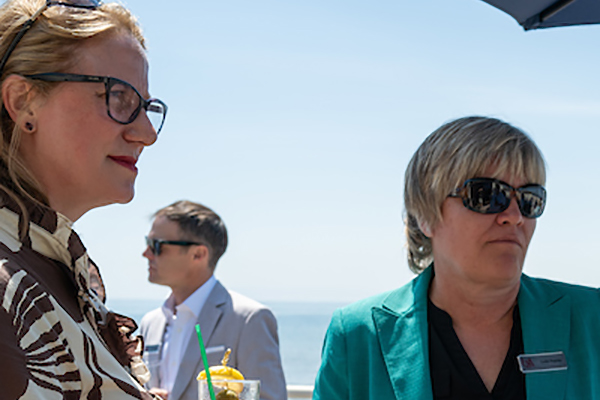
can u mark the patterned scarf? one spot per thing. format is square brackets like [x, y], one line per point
[50, 234]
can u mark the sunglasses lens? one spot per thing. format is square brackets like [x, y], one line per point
[532, 201]
[77, 3]
[154, 245]
[486, 197]
[489, 196]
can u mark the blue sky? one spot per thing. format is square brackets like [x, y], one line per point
[295, 120]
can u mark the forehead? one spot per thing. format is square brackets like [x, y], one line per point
[163, 228]
[115, 54]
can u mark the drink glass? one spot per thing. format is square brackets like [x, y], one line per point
[245, 390]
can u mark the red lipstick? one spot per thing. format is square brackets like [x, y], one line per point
[125, 161]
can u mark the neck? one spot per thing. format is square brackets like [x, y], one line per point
[473, 304]
[181, 293]
[73, 213]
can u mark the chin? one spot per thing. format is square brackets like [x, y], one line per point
[151, 276]
[509, 271]
[123, 196]
[155, 279]
[126, 200]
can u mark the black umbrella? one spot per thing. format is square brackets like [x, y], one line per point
[535, 14]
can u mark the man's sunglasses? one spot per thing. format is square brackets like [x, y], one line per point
[155, 245]
[492, 196]
[81, 4]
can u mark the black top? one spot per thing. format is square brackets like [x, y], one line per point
[454, 376]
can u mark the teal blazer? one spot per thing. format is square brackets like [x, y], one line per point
[378, 348]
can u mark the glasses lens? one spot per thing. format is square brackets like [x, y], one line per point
[124, 102]
[486, 196]
[75, 3]
[489, 196]
[532, 201]
[156, 111]
[154, 245]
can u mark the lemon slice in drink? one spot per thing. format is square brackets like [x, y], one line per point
[222, 373]
[225, 373]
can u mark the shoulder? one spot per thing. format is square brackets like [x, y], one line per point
[251, 319]
[18, 285]
[245, 306]
[358, 318]
[394, 303]
[362, 309]
[540, 286]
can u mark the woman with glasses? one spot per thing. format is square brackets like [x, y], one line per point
[471, 325]
[76, 115]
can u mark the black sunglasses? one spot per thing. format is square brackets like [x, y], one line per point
[123, 101]
[492, 196]
[155, 245]
[81, 4]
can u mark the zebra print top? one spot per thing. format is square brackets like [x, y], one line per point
[57, 340]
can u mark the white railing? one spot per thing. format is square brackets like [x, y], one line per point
[299, 392]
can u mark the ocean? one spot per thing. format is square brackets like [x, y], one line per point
[302, 327]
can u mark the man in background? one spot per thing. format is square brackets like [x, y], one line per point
[184, 245]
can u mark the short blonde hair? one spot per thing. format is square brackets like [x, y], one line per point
[459, 150]
[49, 46]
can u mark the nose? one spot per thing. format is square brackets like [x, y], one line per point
[512, 215]
[141, 130]
[147, 253]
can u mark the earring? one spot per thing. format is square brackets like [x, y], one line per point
[29, 126]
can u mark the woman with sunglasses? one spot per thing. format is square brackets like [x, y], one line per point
[471, 325]
[76, 116]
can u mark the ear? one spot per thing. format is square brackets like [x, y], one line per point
[425, 228]
[200, 253]
[17, 94]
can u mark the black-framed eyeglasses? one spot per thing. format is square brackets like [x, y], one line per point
[155, 245]
[492, 196]
[123, 101]
[81, 4]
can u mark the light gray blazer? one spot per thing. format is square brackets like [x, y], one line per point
[227, 320]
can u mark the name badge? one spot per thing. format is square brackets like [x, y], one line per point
[152, 348]
[215, 349]
[542, 362]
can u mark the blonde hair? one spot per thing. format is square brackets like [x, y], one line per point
[49, 46]
[459, 150]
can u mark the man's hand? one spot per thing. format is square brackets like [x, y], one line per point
[160, 392]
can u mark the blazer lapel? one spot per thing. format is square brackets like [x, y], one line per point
[191, 362]
[403, 336]
[545, 315]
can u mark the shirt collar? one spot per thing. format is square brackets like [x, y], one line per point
[193, 303]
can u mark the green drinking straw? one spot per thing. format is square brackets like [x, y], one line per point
[205, 361]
